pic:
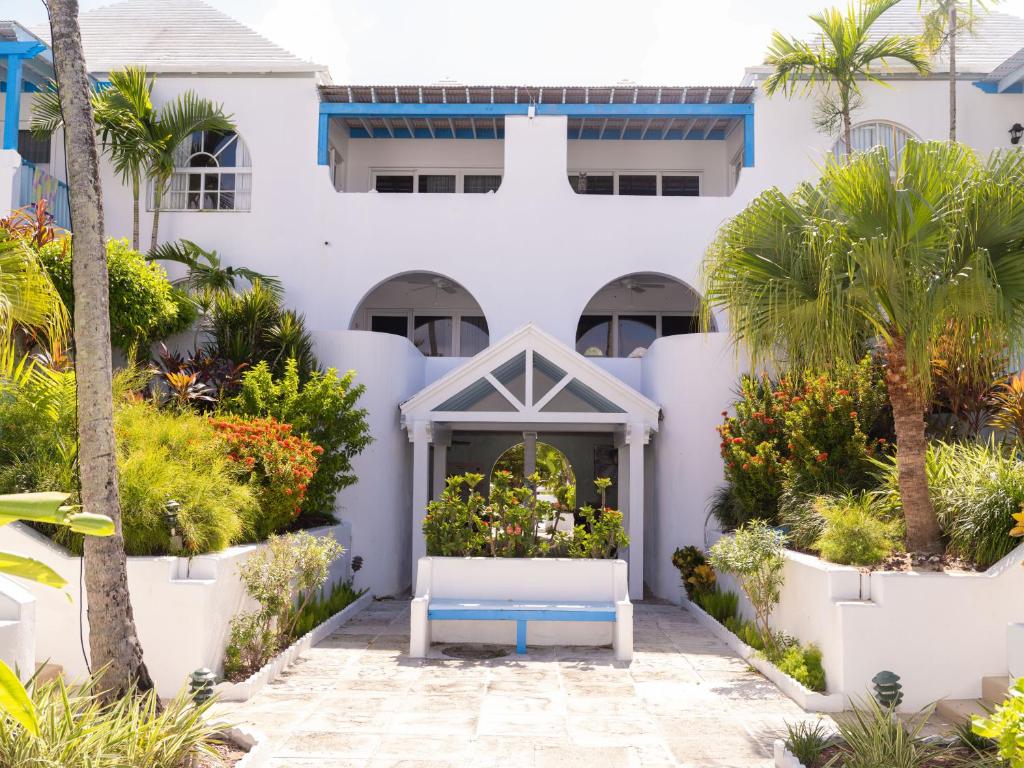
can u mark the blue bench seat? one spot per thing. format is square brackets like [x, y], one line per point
[519, 611]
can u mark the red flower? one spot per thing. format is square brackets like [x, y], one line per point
[842, 392]
[821, 457]
[737, 441]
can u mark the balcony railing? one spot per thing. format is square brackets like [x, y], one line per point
[34, 184]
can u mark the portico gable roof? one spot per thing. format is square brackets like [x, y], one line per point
[530, 377]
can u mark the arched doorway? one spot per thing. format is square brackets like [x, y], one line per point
[438, 315]
[628, 314]
[557, 480]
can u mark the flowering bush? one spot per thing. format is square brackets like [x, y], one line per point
[281, 465]
[806, 433]
[514, 522]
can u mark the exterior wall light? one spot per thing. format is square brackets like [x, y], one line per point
[171, 508]
[1016, 131]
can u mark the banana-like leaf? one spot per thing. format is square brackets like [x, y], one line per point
[37, 507]
[27, 568]
[14, 700]
[91, 524]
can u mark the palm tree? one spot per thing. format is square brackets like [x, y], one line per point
[843, 55]
[206, 272]
[28, 298]
[113, 638]
[943, 21]
[883, 255]
[140, 139]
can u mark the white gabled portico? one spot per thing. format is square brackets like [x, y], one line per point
[530, 383]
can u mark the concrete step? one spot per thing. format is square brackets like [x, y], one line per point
[959, 711]
[994, 689]
[45, 672]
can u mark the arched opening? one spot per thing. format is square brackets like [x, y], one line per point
[439, 316]
[557, 480]
[877, 133]
[628, 314]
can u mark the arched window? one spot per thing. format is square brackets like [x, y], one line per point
[212, 172]
[876, 134]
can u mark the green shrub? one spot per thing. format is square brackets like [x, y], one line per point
[800, 518]
[803, 665]
[318, 610]
[855, 530]
[870, 737]
[806, 741]
[687, 560]
[321, 409]
[144, 306]
[164, 455]
[753, 555]
[78, 731]
[976, 488]
[1006, 726]
[721, 606]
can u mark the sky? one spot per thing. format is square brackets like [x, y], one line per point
[659, 42]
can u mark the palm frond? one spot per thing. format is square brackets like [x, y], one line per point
[28, 297]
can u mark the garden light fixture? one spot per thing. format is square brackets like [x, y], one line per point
[888, 691]
[1016, 131]
[171, 508]
[201, 684]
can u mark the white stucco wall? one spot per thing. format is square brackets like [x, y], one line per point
[17, 628]
[183, 607]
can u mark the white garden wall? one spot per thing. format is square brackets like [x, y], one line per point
[17, 628]
[182, 606]
[940, 632]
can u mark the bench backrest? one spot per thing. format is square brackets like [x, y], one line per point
[548, 579]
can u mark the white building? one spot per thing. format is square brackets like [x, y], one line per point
[510, 295]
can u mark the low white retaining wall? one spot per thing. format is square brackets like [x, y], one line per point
[543, 579]
[183, 607]
[940, 632]
[17, 628]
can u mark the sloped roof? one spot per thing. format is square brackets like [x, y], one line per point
[177, 36]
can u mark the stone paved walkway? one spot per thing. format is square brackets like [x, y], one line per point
[358, 701]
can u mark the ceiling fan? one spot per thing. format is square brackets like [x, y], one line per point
[431, 281]
[638, 286]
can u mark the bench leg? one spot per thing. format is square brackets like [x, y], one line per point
[622, 631]
[419, 628]
[520, 637]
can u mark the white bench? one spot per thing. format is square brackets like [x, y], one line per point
[548, 601]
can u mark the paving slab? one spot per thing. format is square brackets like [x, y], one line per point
[357, 700]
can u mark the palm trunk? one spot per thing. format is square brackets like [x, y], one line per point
[135, 212]
[158, 200]
[908, 409]
[952, 72]
[113, 639]
[848, 133]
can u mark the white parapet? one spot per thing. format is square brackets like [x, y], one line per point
[183, 606]
[10, 162]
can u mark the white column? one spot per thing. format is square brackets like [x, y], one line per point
[419, 436]
[636, 438]
[529, 453]
[442, 439]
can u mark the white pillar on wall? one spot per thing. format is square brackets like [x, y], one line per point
[636, 439]
[442, 439]
[529, 453]
[419, 436]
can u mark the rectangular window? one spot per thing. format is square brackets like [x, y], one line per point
[589, 184]
[637, 184]
[680, 186]
[594, 336]
[436, 183]
[480, 184]
[473, 335]
[388, 183]
[34, 149]
[432, 335]
[397, 325]
[676, 325]
[636, 333]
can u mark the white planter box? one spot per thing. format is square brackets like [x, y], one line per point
[941, 632]
[808, 700]
[545, 580]
[246, 689]
[183, 606]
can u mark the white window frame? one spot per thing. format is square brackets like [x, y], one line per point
[460, 175]
[647, 172]
[838, 148]
[237, 170]
[410, 316]
[617, 313]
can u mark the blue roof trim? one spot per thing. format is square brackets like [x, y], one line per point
[989, 86]
[23, 48]
[363, 109]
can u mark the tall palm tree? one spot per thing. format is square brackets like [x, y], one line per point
[844, 54]
[28, 298]
[882, 255]
[943, 21]
[113, 638]
[140, 139]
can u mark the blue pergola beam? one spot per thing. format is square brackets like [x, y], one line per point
[15, 51]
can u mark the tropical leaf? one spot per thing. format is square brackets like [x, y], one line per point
[15, 701]
[31, 569]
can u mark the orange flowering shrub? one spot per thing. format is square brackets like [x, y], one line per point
[281, 465]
